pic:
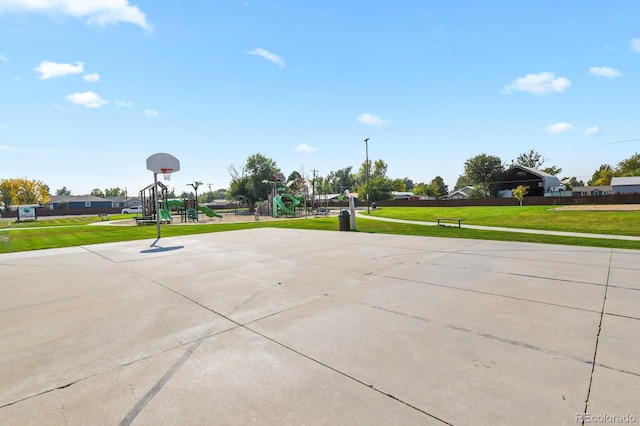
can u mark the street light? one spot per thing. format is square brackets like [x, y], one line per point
[366, 143]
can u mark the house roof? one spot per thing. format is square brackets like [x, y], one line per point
[464, 191]
[75, 199]
[548, 180]
[629, 180]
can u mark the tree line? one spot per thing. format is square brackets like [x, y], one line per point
[253, 181]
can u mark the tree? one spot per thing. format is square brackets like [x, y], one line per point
[483, 170]
[97, 192]
[439, 186]
[629, 166]
[340, 180]
[380, 187]
[602, 176]
[463, 180]
[426, 189]
[114, 192]
[535, 160]
[21, 191]
[254, 181]
[552, 170]
[519, 192]
[531, 158]
[63, 191]
[399, 185]
[572, 182]
[408, 184]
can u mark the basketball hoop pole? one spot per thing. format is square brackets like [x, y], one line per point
[156, 201]
[161, 163]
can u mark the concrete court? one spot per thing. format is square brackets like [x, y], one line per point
[279, 326]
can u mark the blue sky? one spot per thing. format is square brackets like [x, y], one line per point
[89, 89]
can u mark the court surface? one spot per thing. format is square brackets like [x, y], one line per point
[280, 326]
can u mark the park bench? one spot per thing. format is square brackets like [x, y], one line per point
[103, 216]
[144, 219]
[449, 219]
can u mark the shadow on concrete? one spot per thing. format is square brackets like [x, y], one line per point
[155, 248]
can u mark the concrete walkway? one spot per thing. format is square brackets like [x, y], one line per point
[503, 229]
[281, 326]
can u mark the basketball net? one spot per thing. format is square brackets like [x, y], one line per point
[166, 173]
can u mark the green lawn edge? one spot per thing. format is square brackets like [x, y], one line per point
[41, 237]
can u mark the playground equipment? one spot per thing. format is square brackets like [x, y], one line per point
[209, 212]
[285, 204]
[187, 210]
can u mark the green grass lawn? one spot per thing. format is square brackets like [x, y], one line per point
[528, 217]
[74, 231]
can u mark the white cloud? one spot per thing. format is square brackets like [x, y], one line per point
[87, 99]
[49, 69]
[151, 113]
[635, 45]
[592, 131]
[538, 84]
[96, 12]
[560, 128]
[8, 148]
[372, 120]
[605, 72]
[4, 126]
[91, 78]
[271, 57]
[303, 147]
[123, 104]
[3, 58]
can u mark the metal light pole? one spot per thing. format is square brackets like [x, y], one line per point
[366, 144]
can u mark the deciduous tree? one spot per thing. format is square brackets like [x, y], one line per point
[253, 182]
[21, 191]
[519, 192]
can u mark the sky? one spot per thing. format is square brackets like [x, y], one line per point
[90, 89]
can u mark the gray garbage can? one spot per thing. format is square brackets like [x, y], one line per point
[344, 220]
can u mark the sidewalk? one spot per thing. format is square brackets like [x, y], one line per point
[502, 229]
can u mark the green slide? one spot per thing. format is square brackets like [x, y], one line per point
[165, 216]
[280, 208]
[211, 213]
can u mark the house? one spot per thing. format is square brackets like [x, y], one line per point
[625, 185]
[76, 202]
[582, 191]
[539, 182]
[460, 194]
[122, 202]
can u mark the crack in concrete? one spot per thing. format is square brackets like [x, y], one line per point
[595, 351]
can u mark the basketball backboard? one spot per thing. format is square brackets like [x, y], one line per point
[163, 163]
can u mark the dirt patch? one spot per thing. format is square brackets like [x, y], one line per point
[603, 207]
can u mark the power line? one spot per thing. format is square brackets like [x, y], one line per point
[628, 140]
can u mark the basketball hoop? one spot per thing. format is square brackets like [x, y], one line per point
[166, 173]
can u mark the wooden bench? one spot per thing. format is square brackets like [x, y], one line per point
[103, 216]
[449, 219]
